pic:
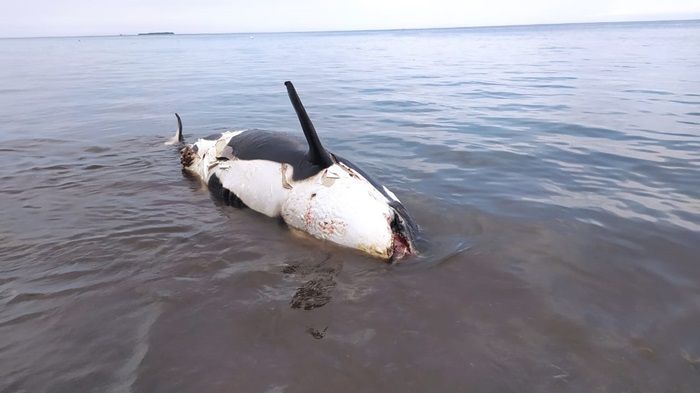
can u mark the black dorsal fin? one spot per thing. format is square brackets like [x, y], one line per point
[178, 136]
[317, 154]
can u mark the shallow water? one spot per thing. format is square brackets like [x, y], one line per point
[554, 170]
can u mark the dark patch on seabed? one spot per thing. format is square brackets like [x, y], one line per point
[317, 334]
[316, 292]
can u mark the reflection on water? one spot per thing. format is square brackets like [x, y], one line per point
[554, 170]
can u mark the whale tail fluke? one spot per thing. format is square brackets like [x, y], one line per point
[317, 154]
[178, 135]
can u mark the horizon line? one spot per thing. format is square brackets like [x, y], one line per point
[369, 30]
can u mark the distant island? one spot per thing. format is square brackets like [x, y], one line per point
[158, 33]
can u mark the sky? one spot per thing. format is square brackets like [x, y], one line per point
[32, 18]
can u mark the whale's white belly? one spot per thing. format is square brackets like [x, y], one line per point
[257, 183]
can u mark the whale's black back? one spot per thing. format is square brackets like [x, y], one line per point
[277, 147]
[307, 159]
[285, 148]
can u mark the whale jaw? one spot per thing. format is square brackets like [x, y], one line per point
[402, 238]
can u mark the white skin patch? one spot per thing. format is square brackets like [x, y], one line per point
[391, 194]
[335, 204]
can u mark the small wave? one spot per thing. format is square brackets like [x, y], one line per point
[645, 91]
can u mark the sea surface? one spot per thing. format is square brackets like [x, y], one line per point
[554, 171]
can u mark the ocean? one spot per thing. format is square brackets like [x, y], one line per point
[554, 172]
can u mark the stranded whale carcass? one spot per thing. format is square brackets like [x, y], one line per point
[311, 189]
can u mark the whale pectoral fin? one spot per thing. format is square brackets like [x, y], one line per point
[317, 154]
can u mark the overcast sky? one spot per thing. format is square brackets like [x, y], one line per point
[26, 18]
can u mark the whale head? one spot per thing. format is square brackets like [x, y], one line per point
[342, 206]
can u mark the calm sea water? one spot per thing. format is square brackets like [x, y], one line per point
[555, 171]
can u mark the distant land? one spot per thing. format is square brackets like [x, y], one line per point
[158, 33]
[630, 22]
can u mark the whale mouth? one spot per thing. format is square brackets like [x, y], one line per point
[400, 247]
[402, 238]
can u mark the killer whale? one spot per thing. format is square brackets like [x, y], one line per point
[308, 187]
